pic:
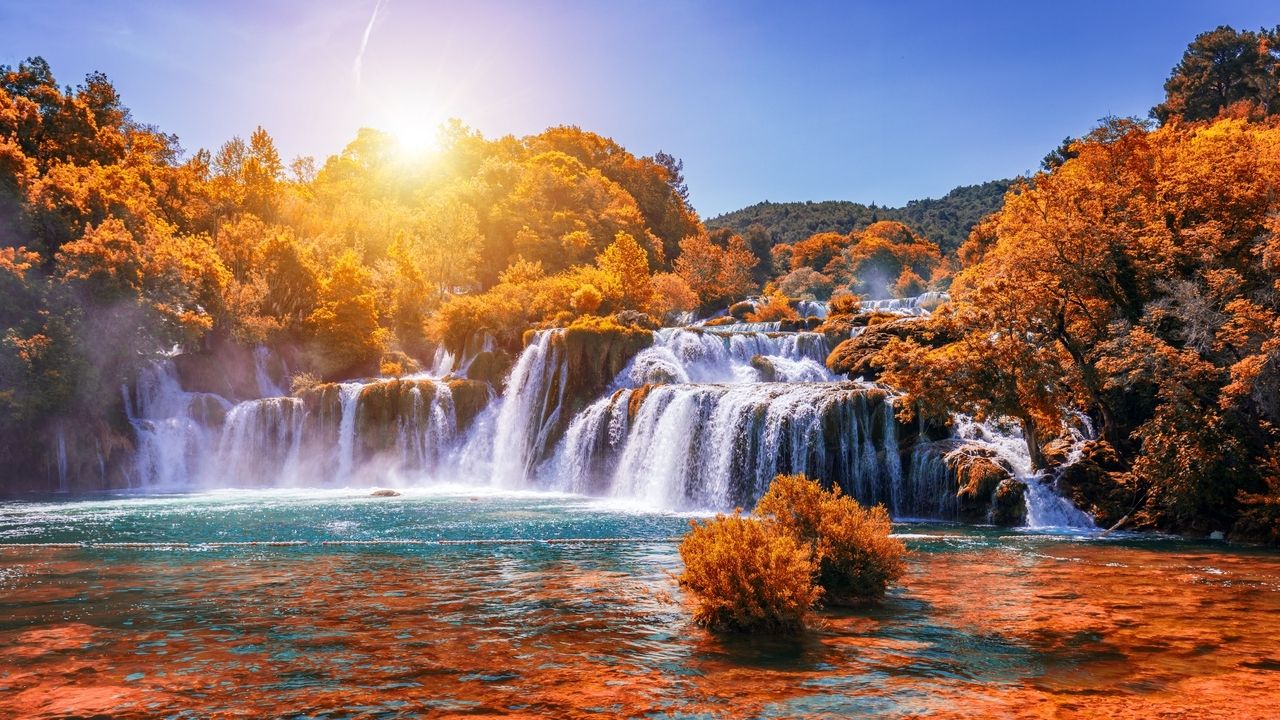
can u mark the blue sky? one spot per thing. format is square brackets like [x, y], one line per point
[863, 101]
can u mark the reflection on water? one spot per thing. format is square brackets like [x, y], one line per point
[984, 625]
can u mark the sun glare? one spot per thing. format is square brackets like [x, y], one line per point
[415, 137]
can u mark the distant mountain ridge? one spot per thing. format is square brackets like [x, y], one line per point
[945, 220]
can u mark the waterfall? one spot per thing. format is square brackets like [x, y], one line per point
[63, 485]
[715, 446]
[267, 387]
[1045, 508]
[348, 397]
[697, 419]
[171, 426]
[919, 305]
[531, 407]
[683, 356]
[185, 440]
[262, 441]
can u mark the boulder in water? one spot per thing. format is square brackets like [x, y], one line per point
[1009, 503]
[1095, 483]
[384, 492]
[764, 367]
[978, 477]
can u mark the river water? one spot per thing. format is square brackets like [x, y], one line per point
[446, 602]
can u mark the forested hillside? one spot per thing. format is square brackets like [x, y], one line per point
[945, 221]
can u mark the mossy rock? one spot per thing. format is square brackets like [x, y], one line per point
[717, 322]
[490, 367]
[381, 408]
[1009, 503]
[859, 356]
[208, 410]
[792, 325]
[978, 476]
[740, 310]
[470, 398]
[636, 319]
[595, 355]
[397, 363]
[636, 400]
[227, 369]
[1097, 483]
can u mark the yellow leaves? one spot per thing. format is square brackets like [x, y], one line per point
[586, 299]
[107, 254]
[626, 263]
[344, 323]
[671, 295]
[716, 273]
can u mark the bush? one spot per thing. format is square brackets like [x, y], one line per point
[844, 304]
[586, 299]
[776, 307]
[856, 557]
[803, 543]
[748, 575]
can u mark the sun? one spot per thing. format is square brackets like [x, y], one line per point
[415, 128]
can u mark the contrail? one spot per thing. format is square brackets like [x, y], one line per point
[364, 41]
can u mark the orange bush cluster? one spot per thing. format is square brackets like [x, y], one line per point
[802, 544]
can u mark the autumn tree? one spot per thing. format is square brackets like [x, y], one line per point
[344, 325]
[626, 262]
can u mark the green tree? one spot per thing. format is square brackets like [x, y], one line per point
[1220, 68]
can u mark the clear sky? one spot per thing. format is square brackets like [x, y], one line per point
[866, 101]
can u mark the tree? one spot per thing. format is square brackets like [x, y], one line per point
[671, 296]
[1220, 68]
[675, 173]
[344, 325]
[626, 262]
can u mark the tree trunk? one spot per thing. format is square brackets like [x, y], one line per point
[1033, 442]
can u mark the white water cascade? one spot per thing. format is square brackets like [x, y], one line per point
[1045, 508]
[680, 355]
[702, 418]
[389, 430]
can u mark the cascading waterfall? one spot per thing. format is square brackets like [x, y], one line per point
[171, 426]
[262, 439]
[681, 355]
[1045, 508]
[348, 397]
[702, 418]
[187, 439]
[713, 446]
[530, 408]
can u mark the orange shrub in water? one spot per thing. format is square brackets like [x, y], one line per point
[856, 559]
[748, 575]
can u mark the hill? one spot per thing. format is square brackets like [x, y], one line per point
[946, 220]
